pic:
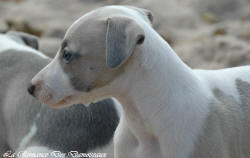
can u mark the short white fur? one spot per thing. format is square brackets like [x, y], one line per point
[6, 43]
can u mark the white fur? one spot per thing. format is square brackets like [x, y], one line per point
[56, 81]
[107, 149]
[33, 129]
[7, 43]
[118, 106]
[172, 100]
[224, 80]
[175, 117]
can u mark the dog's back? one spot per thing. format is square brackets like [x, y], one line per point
[226, 132]
[26, 124]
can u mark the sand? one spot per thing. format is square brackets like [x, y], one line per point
[206, 34]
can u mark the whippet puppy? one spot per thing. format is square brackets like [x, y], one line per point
[27, 127]
[169, 110]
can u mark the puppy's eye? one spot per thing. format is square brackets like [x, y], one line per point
[67, 55]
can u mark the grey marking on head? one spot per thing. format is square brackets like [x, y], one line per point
[123, 34]
[104, 40]
[227, 128]
[79, 84]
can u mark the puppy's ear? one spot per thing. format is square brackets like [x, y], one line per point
[28, 39]
[123, 34]
[148, 14]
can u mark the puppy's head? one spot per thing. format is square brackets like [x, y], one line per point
[24, 38]
[94, 52]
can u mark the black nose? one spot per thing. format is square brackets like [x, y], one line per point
[31, 89]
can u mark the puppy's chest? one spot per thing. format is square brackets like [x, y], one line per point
[129, 146]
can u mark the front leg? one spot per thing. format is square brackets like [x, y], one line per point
[125, 144]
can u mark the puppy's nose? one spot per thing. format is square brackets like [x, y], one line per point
[31, 89]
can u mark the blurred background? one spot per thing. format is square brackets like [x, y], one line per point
[206, 34]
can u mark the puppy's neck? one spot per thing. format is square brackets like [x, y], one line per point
[156, 89]
[155, 74]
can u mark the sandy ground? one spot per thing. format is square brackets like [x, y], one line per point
[204, 33]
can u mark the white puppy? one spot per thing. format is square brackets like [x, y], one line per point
[169, 110]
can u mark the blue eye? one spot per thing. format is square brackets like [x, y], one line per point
[67, 55]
